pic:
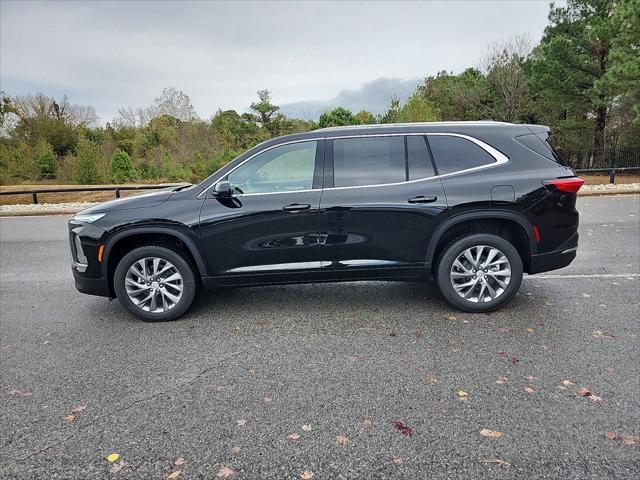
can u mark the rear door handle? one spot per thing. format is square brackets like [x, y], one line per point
[296, 207]
[422, 199]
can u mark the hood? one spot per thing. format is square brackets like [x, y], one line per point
[139, 201]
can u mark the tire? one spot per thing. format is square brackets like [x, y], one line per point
[499, 288]
[165, 301]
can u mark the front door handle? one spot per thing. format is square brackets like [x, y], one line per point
[296, 207]
[422, 199]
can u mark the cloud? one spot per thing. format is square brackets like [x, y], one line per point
[373, 96]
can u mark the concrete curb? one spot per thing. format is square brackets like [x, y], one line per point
[44, 212]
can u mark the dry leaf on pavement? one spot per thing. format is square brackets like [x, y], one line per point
[397, 460]
[501, 380]
[179, 461]
[566, 383]
[174, 475]
[241, 423]
[293, 436]
[113, 457]
[490, 433]
[225, 472]
[403, 428]
[20, 392]
[529, 390]
[306, 428]
[307, 475]
[118, 466]
[463, 395]
[342, 439]
[366, 423]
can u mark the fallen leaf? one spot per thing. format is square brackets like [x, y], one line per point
[501, 380]
[418, 335]
[584, 392]
[251, 371]
[463, 395]
[393, 333]
[529, 390]
[451, 317]
[235, 449]
[225, 472]
[530, 330]
[611, 435]
[490, 433]
[175, 474]
[78, 409]
[430, 378]
[241, 423]
[465, 321]
[113, 457]
[586, 295]
[69, 418]
[514, 360]
[21, 392]
[404, 359]
[342, 439]
[118, 466]
[532, 379]
[596, 398]
[398, 460]
[267, 399]
[601, 334]
[293, 436]
[179, 461]
[403, 428]
[444, 408]
[630, 439]
[496, 460]
[307, 475]
[366, 423]
[567, 382]
[306, 428]
[504, 329]
[610, 369]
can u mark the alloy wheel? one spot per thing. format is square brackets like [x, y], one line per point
[154, 284]
[480, 274]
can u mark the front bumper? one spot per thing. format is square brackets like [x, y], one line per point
[91, 286]
[559, 258]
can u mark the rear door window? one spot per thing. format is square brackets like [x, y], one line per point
[368, 161]
[453, 154]
[418, 159]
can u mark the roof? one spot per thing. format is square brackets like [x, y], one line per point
[417, 124]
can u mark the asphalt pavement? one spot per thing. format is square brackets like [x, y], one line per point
[353, 380]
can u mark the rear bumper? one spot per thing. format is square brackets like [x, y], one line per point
[557, 259]
[91, 286]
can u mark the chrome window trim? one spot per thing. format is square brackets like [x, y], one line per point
[500, 159]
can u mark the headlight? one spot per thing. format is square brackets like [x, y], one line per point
[88, 217]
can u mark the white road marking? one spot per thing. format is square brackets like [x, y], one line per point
[592, 275]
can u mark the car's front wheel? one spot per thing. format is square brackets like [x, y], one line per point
[155, 283]
[479, 272]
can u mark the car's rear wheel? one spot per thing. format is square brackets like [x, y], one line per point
[479, 272]
[155, 283]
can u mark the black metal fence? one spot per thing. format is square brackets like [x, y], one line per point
[612, 158]
[115, 188]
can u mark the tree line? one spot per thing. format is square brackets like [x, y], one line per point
[582, 80]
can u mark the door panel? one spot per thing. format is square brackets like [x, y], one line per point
[268, 230]
[379, 224]
[378, 231]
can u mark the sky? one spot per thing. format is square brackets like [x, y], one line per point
[309, 54]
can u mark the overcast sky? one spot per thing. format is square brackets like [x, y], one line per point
[115, 54]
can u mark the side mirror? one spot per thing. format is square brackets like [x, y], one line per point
[222, 189]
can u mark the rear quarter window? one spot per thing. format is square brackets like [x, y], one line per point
[540, 144]
[453, 154]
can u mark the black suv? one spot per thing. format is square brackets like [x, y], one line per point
[472, 204]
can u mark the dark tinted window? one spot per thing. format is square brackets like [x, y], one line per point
[540, 144]
[419, 162]
[453, 154]
[368, 161]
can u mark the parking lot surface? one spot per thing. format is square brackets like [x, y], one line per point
[350, 380]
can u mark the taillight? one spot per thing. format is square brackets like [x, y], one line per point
[567, 185]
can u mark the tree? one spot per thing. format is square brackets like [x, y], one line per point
[46, 160]
[573, 56]
[174, 103]
[503, 64]
[8, 117]
[624, 74]
[121, 167]
[337, 117]
[267, 113]
[392, 114]
[417, 109]
[363, 117]
[88, 154]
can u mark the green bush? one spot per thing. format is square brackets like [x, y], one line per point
[88, 156]
[46, 160]
[121, 167]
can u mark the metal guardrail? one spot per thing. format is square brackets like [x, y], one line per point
[117, 189]
[611, 171]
